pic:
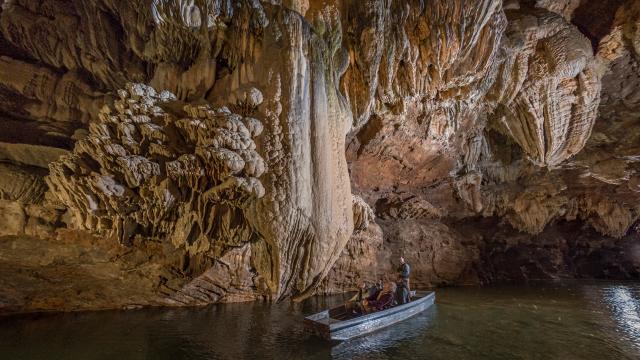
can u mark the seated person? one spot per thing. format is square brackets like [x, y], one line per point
[365, 292]
[375, 290]
[383, 301]
[359, 296]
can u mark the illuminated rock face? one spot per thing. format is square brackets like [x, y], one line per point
[185, 175]
[233, 138]
[548, 88]
[205, 151]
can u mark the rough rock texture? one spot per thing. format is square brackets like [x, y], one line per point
[543, 156]
[181, 152]
[547, 89]
[202, 173]
[144, 171]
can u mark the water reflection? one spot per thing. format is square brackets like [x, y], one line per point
[377, 342]
[626, 310]
[543, 321]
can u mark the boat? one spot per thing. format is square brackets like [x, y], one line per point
[339, 324]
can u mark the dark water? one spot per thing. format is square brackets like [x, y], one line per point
[542, 321]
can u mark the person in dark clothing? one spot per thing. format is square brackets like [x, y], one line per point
[402, 293]
[404, 270]
[375, 289]
[365, 292]
[383, 301]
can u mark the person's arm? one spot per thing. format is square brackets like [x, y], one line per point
[354, 298]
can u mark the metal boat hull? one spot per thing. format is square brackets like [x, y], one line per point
[323, 325]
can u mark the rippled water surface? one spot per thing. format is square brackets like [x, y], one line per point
[542, 321]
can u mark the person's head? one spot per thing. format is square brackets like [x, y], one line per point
[401, 259]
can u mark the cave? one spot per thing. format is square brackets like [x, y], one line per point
[179, 153]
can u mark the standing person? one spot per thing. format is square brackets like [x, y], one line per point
[404, 270]
[402, 293]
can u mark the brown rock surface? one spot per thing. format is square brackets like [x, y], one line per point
[189, 152]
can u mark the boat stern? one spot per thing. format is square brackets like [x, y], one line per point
[318, 324]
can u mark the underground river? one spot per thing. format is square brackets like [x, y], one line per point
[550, 320]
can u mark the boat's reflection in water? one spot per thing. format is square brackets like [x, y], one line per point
[384, 339]
[551, 320]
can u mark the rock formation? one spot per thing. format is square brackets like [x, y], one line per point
[180, 152]
[547, 90]
[502, 194]
[144, 171]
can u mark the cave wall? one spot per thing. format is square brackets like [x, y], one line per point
[538, 187]
[188, 152]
